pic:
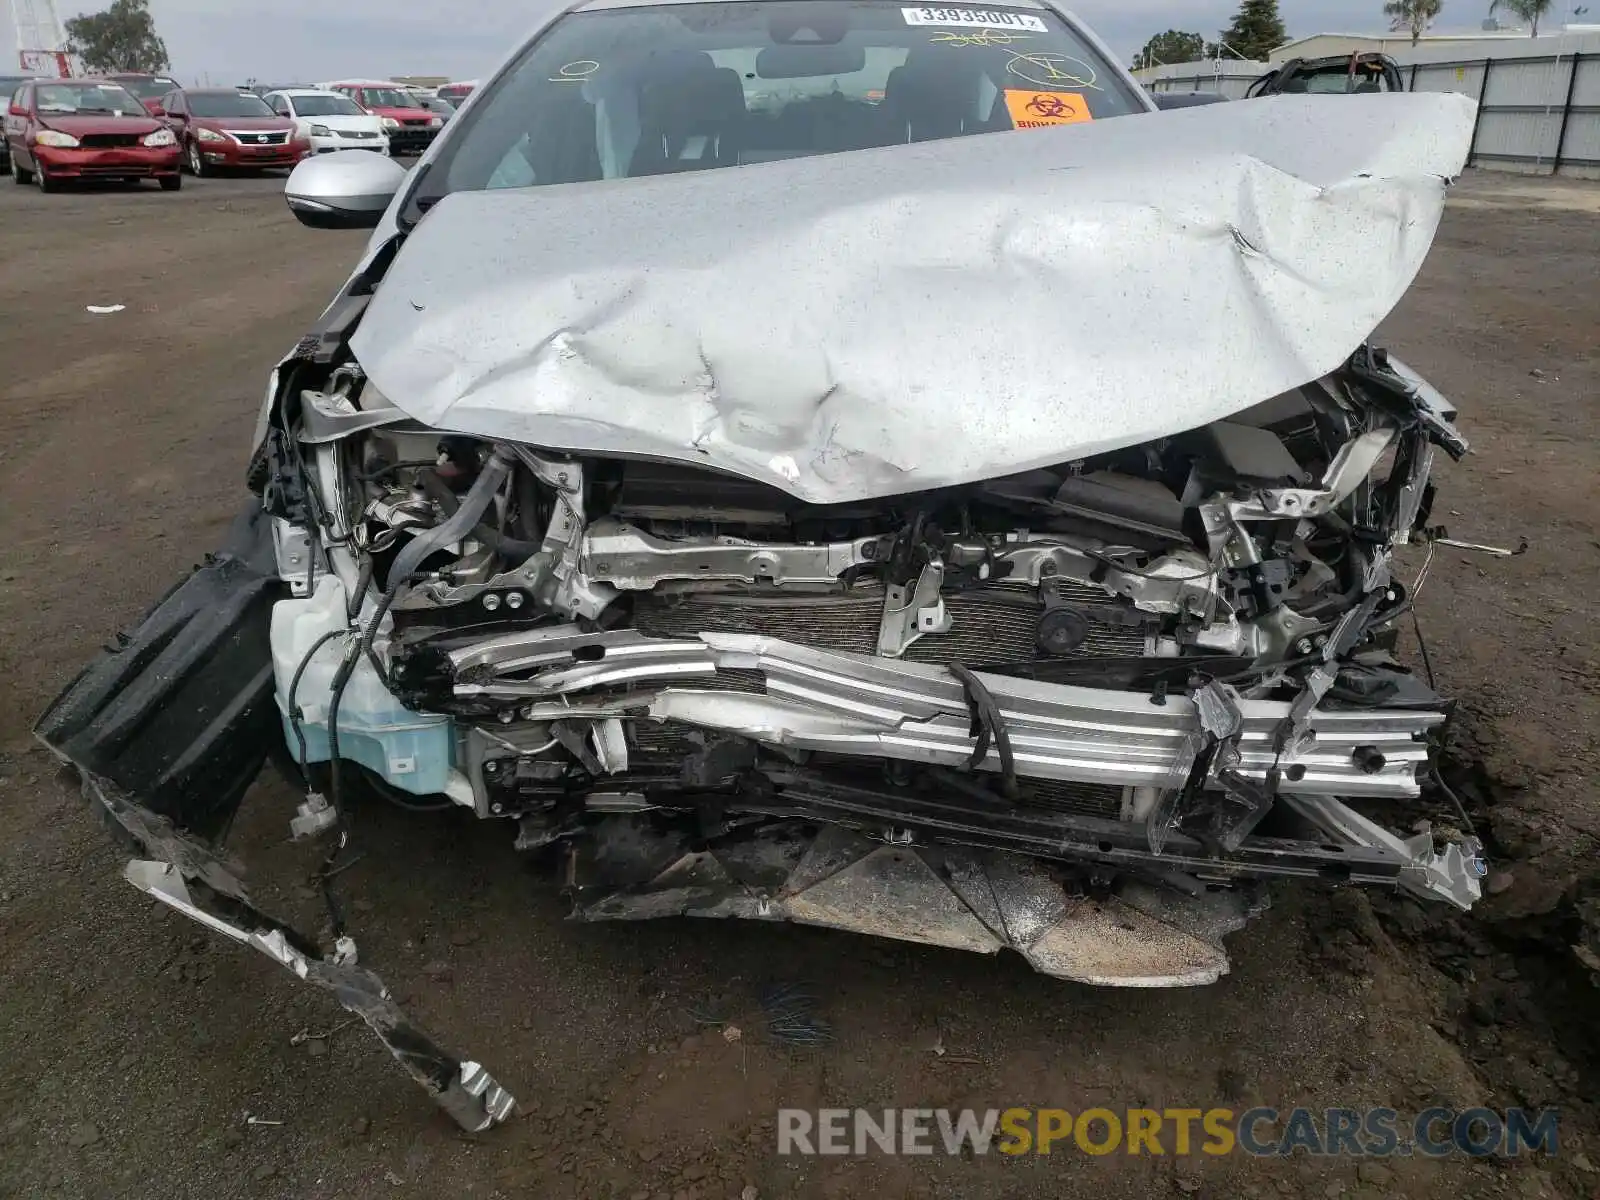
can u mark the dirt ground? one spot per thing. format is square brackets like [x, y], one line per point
[136, 1044]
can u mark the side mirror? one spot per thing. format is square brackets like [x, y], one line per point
[16, 110]
[157, 111]
[347, 190]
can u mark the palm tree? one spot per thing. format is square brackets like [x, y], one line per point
[1527, 10]
[1415, 15]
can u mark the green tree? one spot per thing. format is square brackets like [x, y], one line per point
[1257, 31]
[123, 38]
[1412, 16]
[1171, 47]
[1528, 10]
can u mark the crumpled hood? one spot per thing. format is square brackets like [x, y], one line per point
[867, 324]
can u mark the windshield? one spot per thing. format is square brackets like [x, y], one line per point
[228, 104]
[1337, 77]
[87, 98]
[326, 106]
[150, 89]
[1364, 79]
[649, 90]
[388, 98]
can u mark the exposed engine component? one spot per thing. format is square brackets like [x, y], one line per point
[1119, 694]
[1166, 639]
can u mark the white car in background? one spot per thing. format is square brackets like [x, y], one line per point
[330, 121]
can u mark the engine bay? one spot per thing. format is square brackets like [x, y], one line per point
[1148, 666]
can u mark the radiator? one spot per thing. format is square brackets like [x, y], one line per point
[990, 626]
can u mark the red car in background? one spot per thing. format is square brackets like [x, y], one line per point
[410, 126]
[457, 93]
[60, 129]
[149, 88]
[225, 127]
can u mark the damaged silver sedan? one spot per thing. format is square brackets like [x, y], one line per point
[984, 541]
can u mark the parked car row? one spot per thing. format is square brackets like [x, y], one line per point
[132, 127]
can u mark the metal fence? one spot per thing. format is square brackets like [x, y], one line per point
[1534, 114]
[1223, 83]
[1537, 115]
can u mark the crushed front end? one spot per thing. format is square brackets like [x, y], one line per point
[1083, 713]
[655, 605]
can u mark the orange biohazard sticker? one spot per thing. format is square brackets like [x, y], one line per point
[1033, 110]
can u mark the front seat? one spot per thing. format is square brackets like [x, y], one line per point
[924, 101]
[691, 116]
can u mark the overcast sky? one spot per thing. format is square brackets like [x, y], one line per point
[299, 40]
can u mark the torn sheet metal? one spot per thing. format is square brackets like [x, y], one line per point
[188, 878]
[1455, 873]
[867, 324]
[964, 900]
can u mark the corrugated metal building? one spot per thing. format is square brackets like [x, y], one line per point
[1432, 47]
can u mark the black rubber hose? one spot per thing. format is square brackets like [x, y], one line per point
[415, 804]
[501, 543]
[988, 724]
[294, 689]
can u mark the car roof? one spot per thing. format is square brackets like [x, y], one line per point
[387, 83]
[304, 92]
[216, 91]
[1339, 60]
